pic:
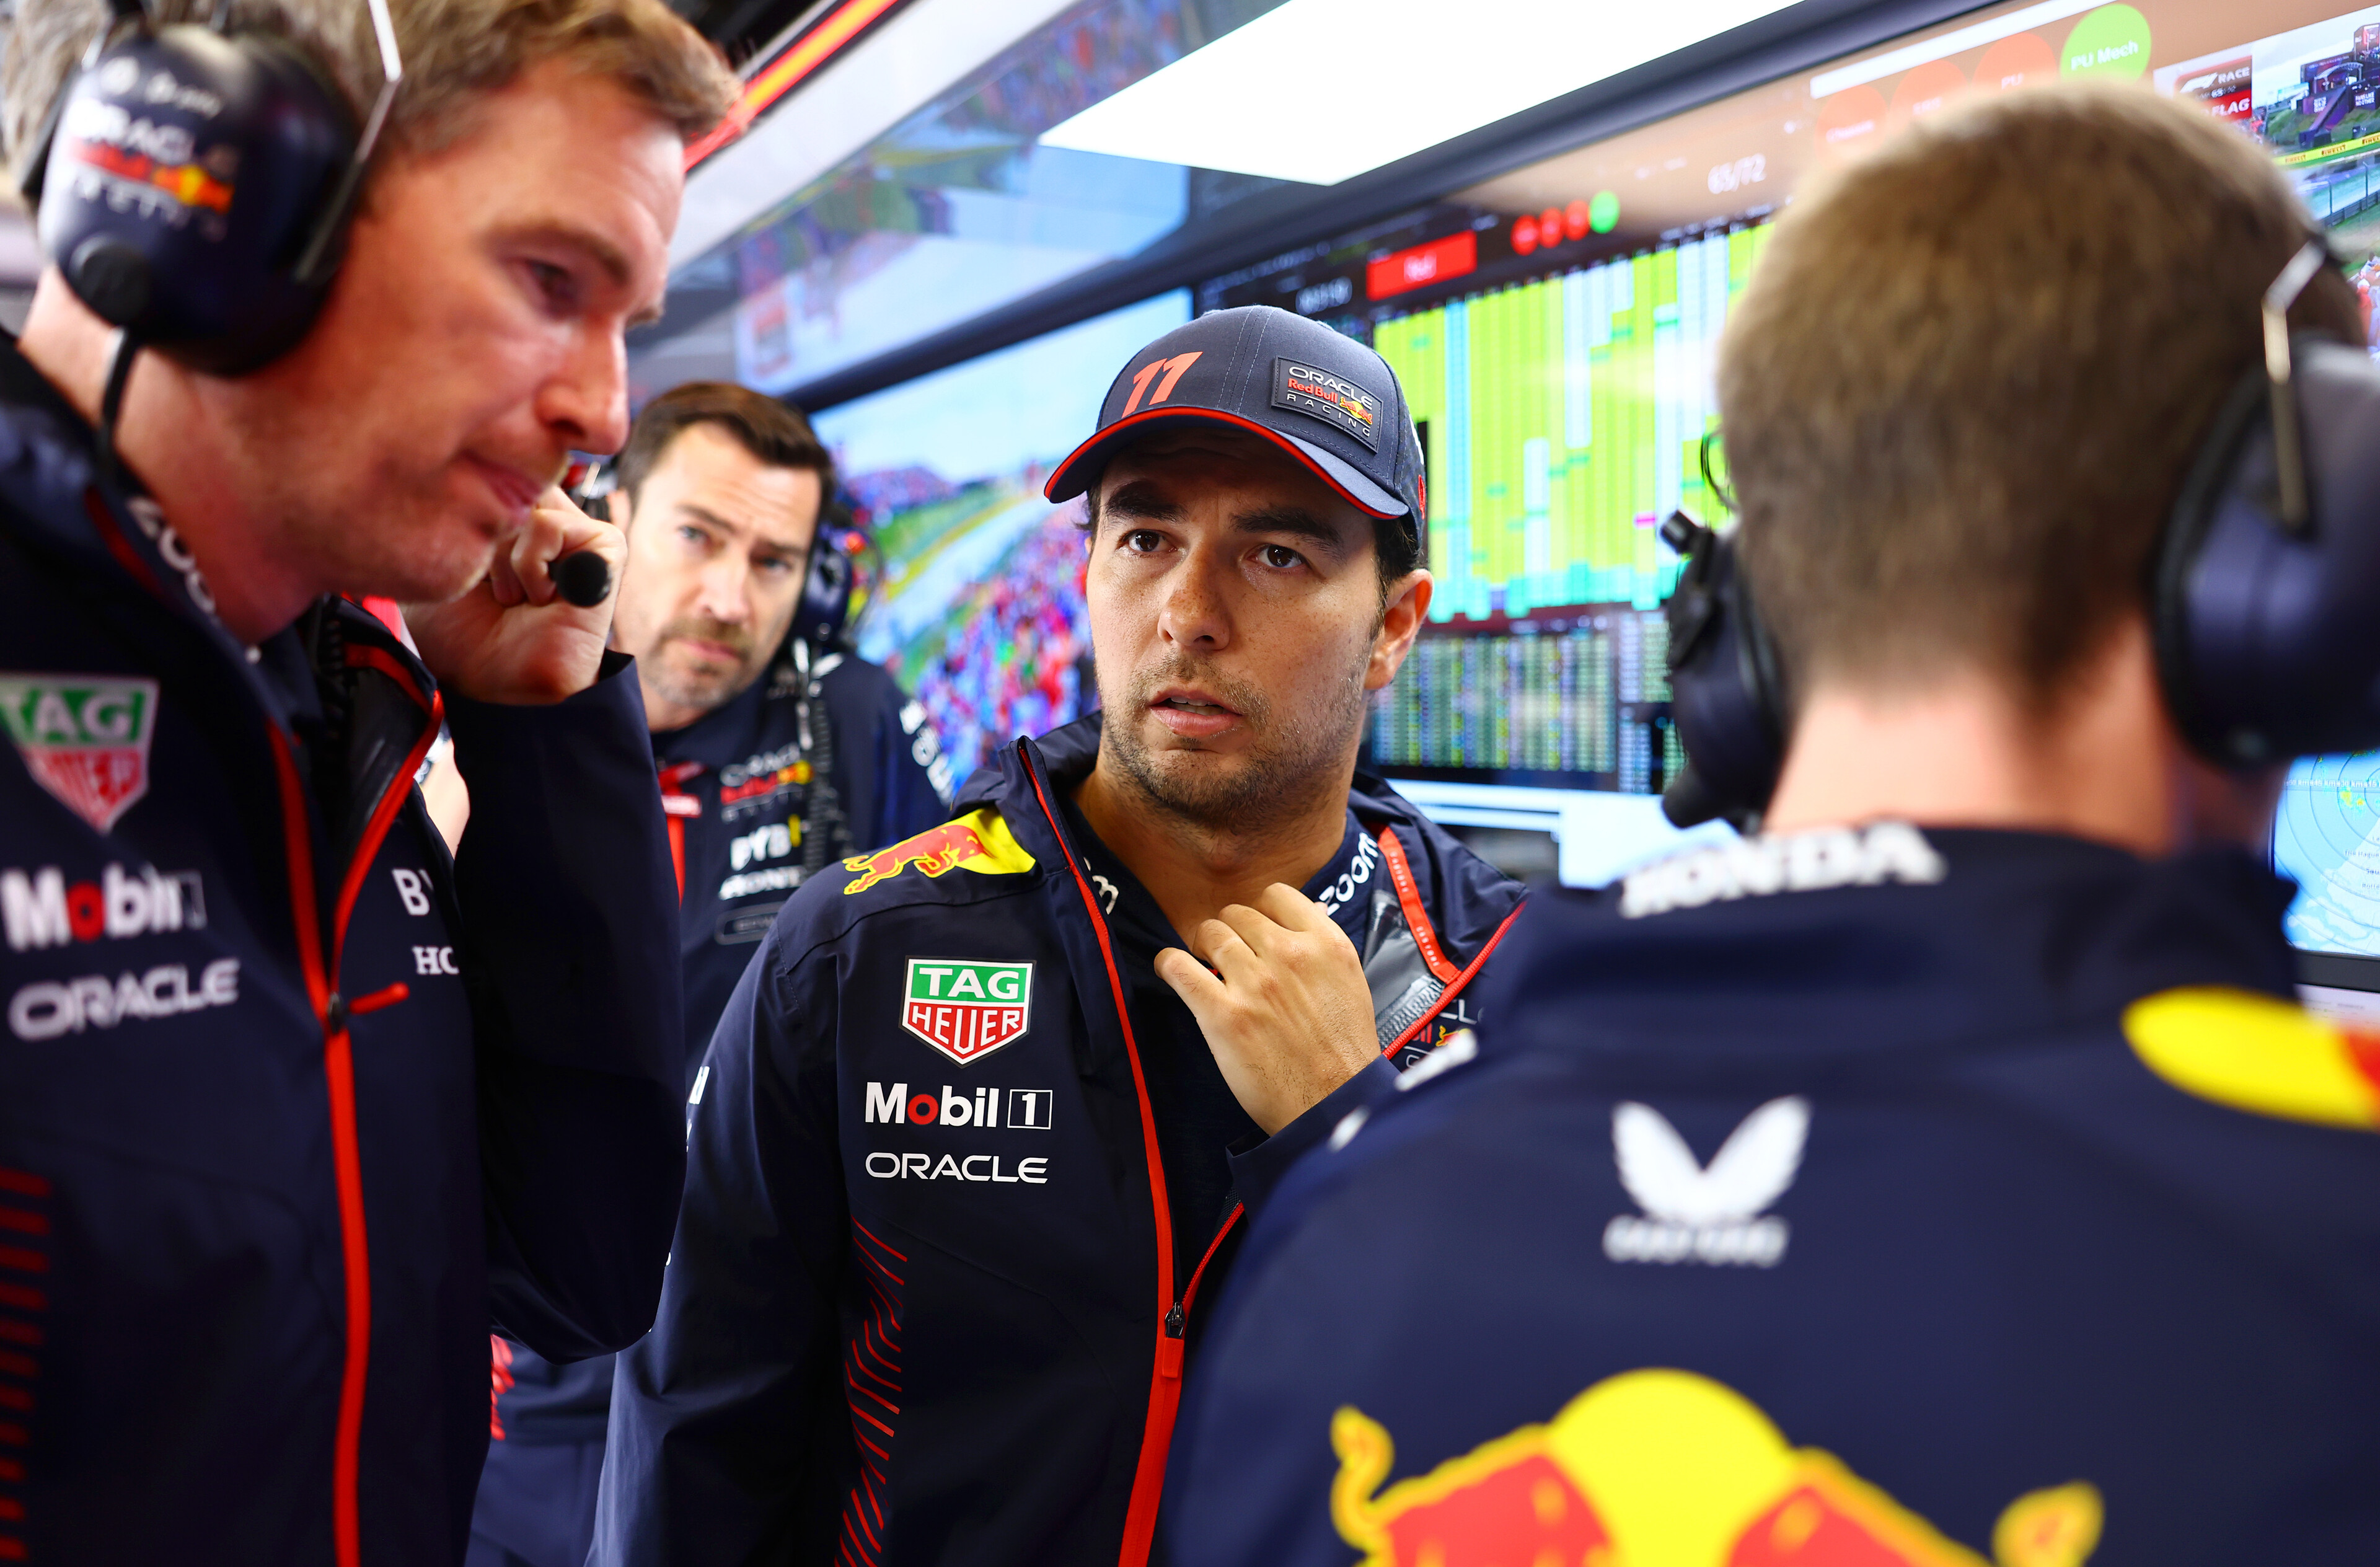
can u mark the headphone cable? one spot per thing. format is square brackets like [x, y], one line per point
[111, 408]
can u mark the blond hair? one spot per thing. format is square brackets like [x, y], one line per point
[455, 52]
[1960, 394]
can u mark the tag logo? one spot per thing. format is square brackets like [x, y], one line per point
[1332, 398]
[1706, 1215]
[84, 738]
[966, 1010]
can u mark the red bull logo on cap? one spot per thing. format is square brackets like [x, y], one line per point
[979, 840]
[1663, 1468]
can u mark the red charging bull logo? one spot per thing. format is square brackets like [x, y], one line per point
[980, 841]
[1663, 1468]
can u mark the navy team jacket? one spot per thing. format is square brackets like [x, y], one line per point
[292, 1108]
[748, 823]
[923, 1305]
[1867, 1196]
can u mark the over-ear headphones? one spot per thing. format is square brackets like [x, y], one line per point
[194, 184]
[822, 617]
[2264, 590]
[1726, 692]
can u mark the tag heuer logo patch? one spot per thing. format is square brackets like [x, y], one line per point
[1335, 399]
[966, 1010]
[84, 738]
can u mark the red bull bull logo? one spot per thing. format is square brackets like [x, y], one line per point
[1663, 1468]
[979, 840]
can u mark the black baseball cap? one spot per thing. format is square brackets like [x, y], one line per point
[1326, 400]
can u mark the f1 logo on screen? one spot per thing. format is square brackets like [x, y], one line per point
[1172, 369]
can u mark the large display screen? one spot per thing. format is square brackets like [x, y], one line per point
[976, 601]
[1555, 331]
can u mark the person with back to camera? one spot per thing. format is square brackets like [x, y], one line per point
[767, 781]
[292, 1106]
[978, 1131]
[1947, 1175]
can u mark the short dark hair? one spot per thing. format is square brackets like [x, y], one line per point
[1396, 540]
[777, 434]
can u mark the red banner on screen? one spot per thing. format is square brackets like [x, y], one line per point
[1433, 263]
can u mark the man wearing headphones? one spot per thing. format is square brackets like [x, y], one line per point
[780, 752]
[292, 1105]
[1947, 1174]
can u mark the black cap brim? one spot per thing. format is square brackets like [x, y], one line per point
[1087, 462]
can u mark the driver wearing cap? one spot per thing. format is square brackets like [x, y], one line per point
[985, 1115]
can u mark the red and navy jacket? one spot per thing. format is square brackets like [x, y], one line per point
[294, 1108]
[931, 1292]
[1874, 1195]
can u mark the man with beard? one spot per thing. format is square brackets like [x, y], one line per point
[766, 781]
[979, 1131]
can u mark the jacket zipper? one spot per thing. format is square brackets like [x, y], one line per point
[1165, 1377]
[1173, 1327]
[333, 1012]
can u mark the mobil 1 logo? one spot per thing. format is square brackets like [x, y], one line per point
[964, 1008]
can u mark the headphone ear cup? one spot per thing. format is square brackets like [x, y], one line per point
[2263, 634]
[826, 589]
[185, 174]
[1726, 693]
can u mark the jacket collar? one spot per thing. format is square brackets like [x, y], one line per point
[1466, 898]
[1884, 939]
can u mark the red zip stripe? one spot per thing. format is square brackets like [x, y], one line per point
[1454, 989]
[17, 1218]
[338, 1071]
[383, 817]
[23, 1261]
[23, 1184]
[1164, 1389]
[1213, 1246]
[23, 1299]
[19, 1332]
[1417, 917]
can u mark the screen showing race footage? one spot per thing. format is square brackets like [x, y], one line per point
[976, 601]
[1556, 328]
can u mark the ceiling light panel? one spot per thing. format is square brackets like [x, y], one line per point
[1321, 91]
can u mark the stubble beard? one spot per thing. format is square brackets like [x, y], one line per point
[703, 693]
[385, 534]
[1293, 758]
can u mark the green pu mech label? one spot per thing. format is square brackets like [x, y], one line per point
[965, 1009]
[84, 738]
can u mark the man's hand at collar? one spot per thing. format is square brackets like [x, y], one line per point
[1285, 1008]
[513, 638]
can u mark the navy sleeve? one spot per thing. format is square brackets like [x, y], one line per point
[570, 916]
[729, 1438]
[1257, 1168]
